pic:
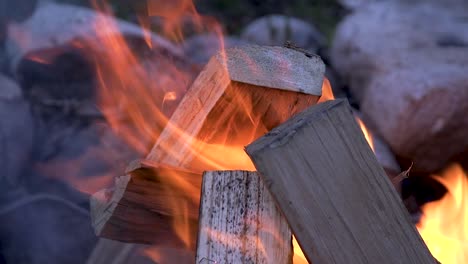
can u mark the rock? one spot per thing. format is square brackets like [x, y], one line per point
[86, 156]
[421, 112]
[16, 131]
[355, 4]
[16, 10]
[59, 27]
[43, 228]
[275, 30]
[58, 68]
[388, 35]
[406, 64]
[200, 48]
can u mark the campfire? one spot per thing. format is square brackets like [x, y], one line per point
[249, 159]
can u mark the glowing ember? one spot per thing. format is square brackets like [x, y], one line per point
[444, 226]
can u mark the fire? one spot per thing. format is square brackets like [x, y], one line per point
[366, 133]
[137, 102]
[444, 226]
[131, 94]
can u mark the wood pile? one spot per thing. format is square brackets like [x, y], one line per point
[316, 175]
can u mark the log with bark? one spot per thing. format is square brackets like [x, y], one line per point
[338, 201]
[239, 221]
[274, 82]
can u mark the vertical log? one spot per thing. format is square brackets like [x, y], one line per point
[239, 221]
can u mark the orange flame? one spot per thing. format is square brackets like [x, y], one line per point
[366, 133]
[444, 226]
[134, 97]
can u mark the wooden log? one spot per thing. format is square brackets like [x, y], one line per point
[240, 95]
[239, 221]
[338, 201]
[144, 205]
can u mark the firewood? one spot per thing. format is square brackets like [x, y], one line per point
[239, 221]
[274, 82]
[338, 201]
[239, 96]
[142, 205]
[213, 101]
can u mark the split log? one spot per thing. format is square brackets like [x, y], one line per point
[337, 199]
[143, 206]
[239, 96]
[239, 221]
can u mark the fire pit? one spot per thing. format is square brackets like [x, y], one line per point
[244, 158]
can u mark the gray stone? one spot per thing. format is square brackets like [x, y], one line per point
[44, 228]
[275, 30]
[16, 131]
[59, 26]
[200, 48]
[17, 10]
[355, 4]
[407, 64]
[384, 36]
[421, 113]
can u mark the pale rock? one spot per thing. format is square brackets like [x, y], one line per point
[60, 25]
[200, 48]
[421, 113]
[16, 131]
[384, 36]
[275, 30]
[406, 63]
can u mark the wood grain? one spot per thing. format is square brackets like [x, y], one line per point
[341, 206]
[142, 206]
[239, 221]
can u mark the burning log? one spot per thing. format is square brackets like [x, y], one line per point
[337, 199]
[239, 221]
[231, 103]
[140, 208]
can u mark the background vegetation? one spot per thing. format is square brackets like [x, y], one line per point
[236, 14]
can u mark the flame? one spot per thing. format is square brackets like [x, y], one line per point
[444, 226]
[366, 133]
[137, 101]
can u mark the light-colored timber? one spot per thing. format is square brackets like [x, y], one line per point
[339, 203]
[239, 221]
